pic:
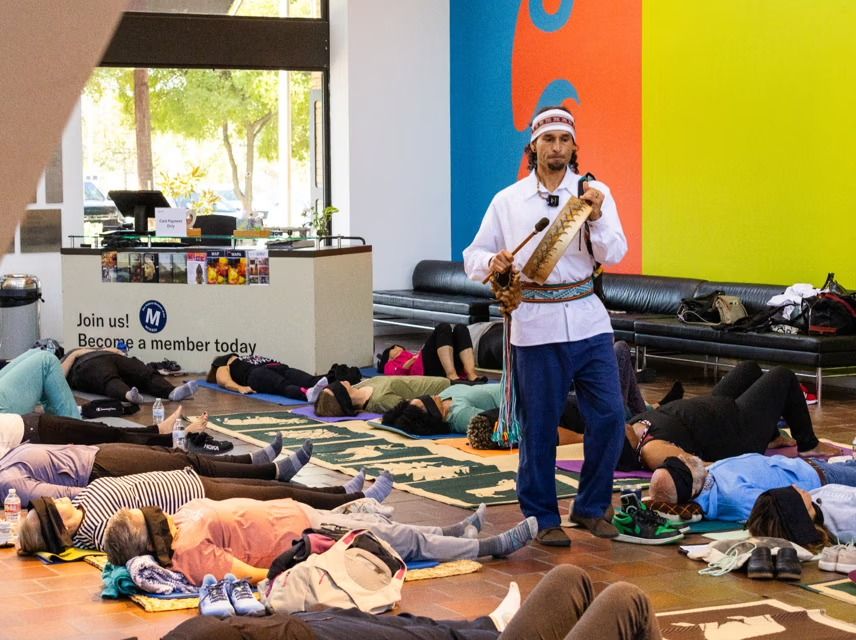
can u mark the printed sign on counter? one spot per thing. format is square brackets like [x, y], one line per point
[171, 221]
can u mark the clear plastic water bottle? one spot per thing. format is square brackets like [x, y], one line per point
[158, 412]
[179, 434]
[12, 509]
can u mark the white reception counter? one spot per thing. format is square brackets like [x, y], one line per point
[316, 309]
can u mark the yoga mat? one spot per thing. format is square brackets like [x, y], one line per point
[72, 554]
[759, 619]
[464, 445]
[377, 424]
[264, 397]
[309, 412]
[443, 570]
[711, 526]
[422, 467]
[576, 466]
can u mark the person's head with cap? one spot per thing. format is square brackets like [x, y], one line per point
[678, 480]
[553, 140]
[134, 532]
[789, 513]
[48, 526]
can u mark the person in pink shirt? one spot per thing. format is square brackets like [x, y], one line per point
[243, 536]
[448, 352]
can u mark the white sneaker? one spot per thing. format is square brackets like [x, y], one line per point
[846, 559]
[838, 557]
[829, 557]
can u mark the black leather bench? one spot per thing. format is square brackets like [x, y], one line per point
[643, 311]
[441, 293]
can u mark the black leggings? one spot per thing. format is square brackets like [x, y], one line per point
[317, 497]
[762, 398]
[119, 459]
[113, 375]
[281, 380]
[445, 335]
[50, 429]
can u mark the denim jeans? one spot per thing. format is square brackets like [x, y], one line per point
[543, 375]
[839, 472]
[36, 377]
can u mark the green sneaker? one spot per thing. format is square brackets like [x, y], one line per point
[639, 525]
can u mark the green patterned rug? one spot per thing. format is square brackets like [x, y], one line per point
[423, 467]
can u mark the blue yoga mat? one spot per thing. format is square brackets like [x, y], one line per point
[380, 425]
[264, 397]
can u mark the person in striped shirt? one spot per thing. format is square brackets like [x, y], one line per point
[84, 518]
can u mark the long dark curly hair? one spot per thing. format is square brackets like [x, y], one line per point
[533, 157]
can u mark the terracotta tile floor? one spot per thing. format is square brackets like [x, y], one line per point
[55, 602]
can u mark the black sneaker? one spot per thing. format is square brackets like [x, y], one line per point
[203, 443]
[640, 525]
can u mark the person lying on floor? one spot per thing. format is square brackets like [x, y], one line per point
[448, 352]
[44, 428]
[35, 378]
[56, 524]
[258, 374]
[728, 489]
[243, 537]
[375, 395]
[741, 415]
[562, 606]
[56, 471]
[474, 410]
[814, 519]
[111, 373]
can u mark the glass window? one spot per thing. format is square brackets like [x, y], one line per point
[228, 141]
[252, 8]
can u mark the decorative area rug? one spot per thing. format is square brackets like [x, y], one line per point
[760, 619]
[422, 467]
[264, 397]
[843, 589]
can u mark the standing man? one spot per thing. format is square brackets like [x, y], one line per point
[561, 333]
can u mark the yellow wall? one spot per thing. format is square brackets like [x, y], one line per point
[748, 138]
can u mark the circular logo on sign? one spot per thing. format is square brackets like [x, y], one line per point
[153, 316]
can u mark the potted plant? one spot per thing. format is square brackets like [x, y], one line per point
[318, 221]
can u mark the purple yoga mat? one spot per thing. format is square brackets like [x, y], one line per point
[309, 412]
[575, 466]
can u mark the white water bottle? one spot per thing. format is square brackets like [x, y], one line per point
[12, 509]
[158, 412]
[179, 434]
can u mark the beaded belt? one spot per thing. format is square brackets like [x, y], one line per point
[816, 467]
[562, 292]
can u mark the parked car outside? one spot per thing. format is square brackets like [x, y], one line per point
[99, 208]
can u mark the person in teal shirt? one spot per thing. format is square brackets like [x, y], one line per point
[449, 411]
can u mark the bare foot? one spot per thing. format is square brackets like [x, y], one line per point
[822, 449]
[166, 425]
[781, 441]
[197, 424]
